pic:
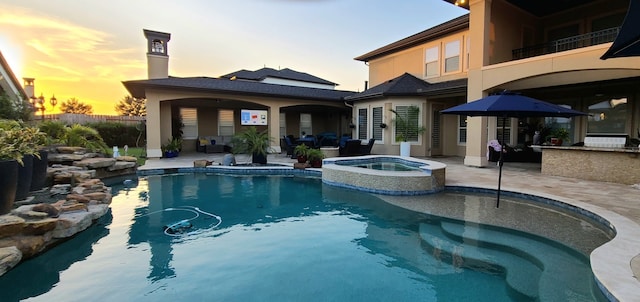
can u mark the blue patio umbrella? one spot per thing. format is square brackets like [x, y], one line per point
[510, 105]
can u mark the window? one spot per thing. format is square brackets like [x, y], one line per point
[377, 120]
[305, 124]
[190, 121]
[431, 62]
[283, 124]
[452, 56]
[225, 122]
[608, 116]
[462, 129]
[507, 129]
[362, 123]
[468, 56]
[407, 123]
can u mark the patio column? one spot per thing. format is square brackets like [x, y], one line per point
[480, 48]
[274, 127]
[153, 127]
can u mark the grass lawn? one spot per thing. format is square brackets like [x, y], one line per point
[140, 153]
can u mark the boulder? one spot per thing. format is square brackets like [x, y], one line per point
[64, 158]
[94, 163]
[121, 165]
[78, 198]
[201, 163]
[70, 207]
[10, 225]
[39, 227]
[29, 246]
[127, 159]
[70, 223]
[9, 257]
[51, 210]
[70, 150]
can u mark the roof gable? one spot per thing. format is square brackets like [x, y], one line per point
[287, 74]
[409, 85]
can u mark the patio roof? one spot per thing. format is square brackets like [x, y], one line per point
[409, 85]
[138, 88]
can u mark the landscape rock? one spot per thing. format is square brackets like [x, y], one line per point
[127, 158]
[9, 257]
[70, 150]
[51, 210]
[39, 227]
[94, 163]
[121, 165]
[10, 225]
[70, 223]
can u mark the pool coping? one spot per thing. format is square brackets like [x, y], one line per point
[610, 262]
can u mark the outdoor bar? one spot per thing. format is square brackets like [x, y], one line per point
[611, 164]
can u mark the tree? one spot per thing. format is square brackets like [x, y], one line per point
[73, 105]
[14, 110]
[130, 106]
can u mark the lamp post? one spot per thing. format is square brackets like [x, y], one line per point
[53, 101]
[41, 103]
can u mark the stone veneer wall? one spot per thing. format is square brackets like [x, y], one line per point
[599, 164]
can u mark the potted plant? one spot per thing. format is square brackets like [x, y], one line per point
[315, 157]
[406, 126]
[253, 142]
[171, 148]
[558, 135]
[301, 151]
[18, 145]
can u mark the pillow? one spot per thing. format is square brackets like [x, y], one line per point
[213, 141]
[204, 142]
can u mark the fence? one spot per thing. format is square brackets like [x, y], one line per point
[71, 118]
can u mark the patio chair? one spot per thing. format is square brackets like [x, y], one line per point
[366, 149]
[288, 145]
[351, 148]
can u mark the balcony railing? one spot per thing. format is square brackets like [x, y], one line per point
[588, 39]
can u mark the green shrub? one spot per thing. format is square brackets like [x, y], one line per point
[54, 130]
[86, 137]
[117, 134]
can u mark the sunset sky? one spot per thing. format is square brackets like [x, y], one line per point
[85, 49]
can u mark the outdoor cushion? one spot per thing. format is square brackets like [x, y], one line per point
[204, 142]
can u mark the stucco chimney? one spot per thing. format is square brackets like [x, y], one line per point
[157, 54]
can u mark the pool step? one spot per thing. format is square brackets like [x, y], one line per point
[531, 269]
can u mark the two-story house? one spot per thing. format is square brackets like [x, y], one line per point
[548, 50]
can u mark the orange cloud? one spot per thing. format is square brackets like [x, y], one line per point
[70, 60]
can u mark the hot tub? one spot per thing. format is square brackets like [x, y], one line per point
[385, 174]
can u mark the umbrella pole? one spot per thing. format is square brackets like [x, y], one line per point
[501, 160]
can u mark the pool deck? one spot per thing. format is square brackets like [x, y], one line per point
[615, 264]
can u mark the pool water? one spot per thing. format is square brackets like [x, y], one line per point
[293, 239]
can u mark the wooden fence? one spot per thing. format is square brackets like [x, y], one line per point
[71, 118]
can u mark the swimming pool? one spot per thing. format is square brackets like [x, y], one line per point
[295, 239]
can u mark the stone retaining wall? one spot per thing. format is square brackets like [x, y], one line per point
[76, 199]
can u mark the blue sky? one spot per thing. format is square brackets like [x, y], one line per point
[84, 49]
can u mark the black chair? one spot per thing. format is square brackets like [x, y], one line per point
[288, 145]
[351, 148]
[366, 149]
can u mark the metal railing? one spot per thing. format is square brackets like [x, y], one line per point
[588, 39]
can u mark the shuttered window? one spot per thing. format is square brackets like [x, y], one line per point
[283, 124]
[305, 124]
[190, 121]
[377, 120]
[507, 129]
[225, 122]
[408, 123]
[362, 123]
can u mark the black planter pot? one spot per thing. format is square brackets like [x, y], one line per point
[39, 177]
[258, 158]
[25, 172]
[8, 184]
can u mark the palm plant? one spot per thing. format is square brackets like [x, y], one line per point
[253, 142]
[86, 137]
[406, 123]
